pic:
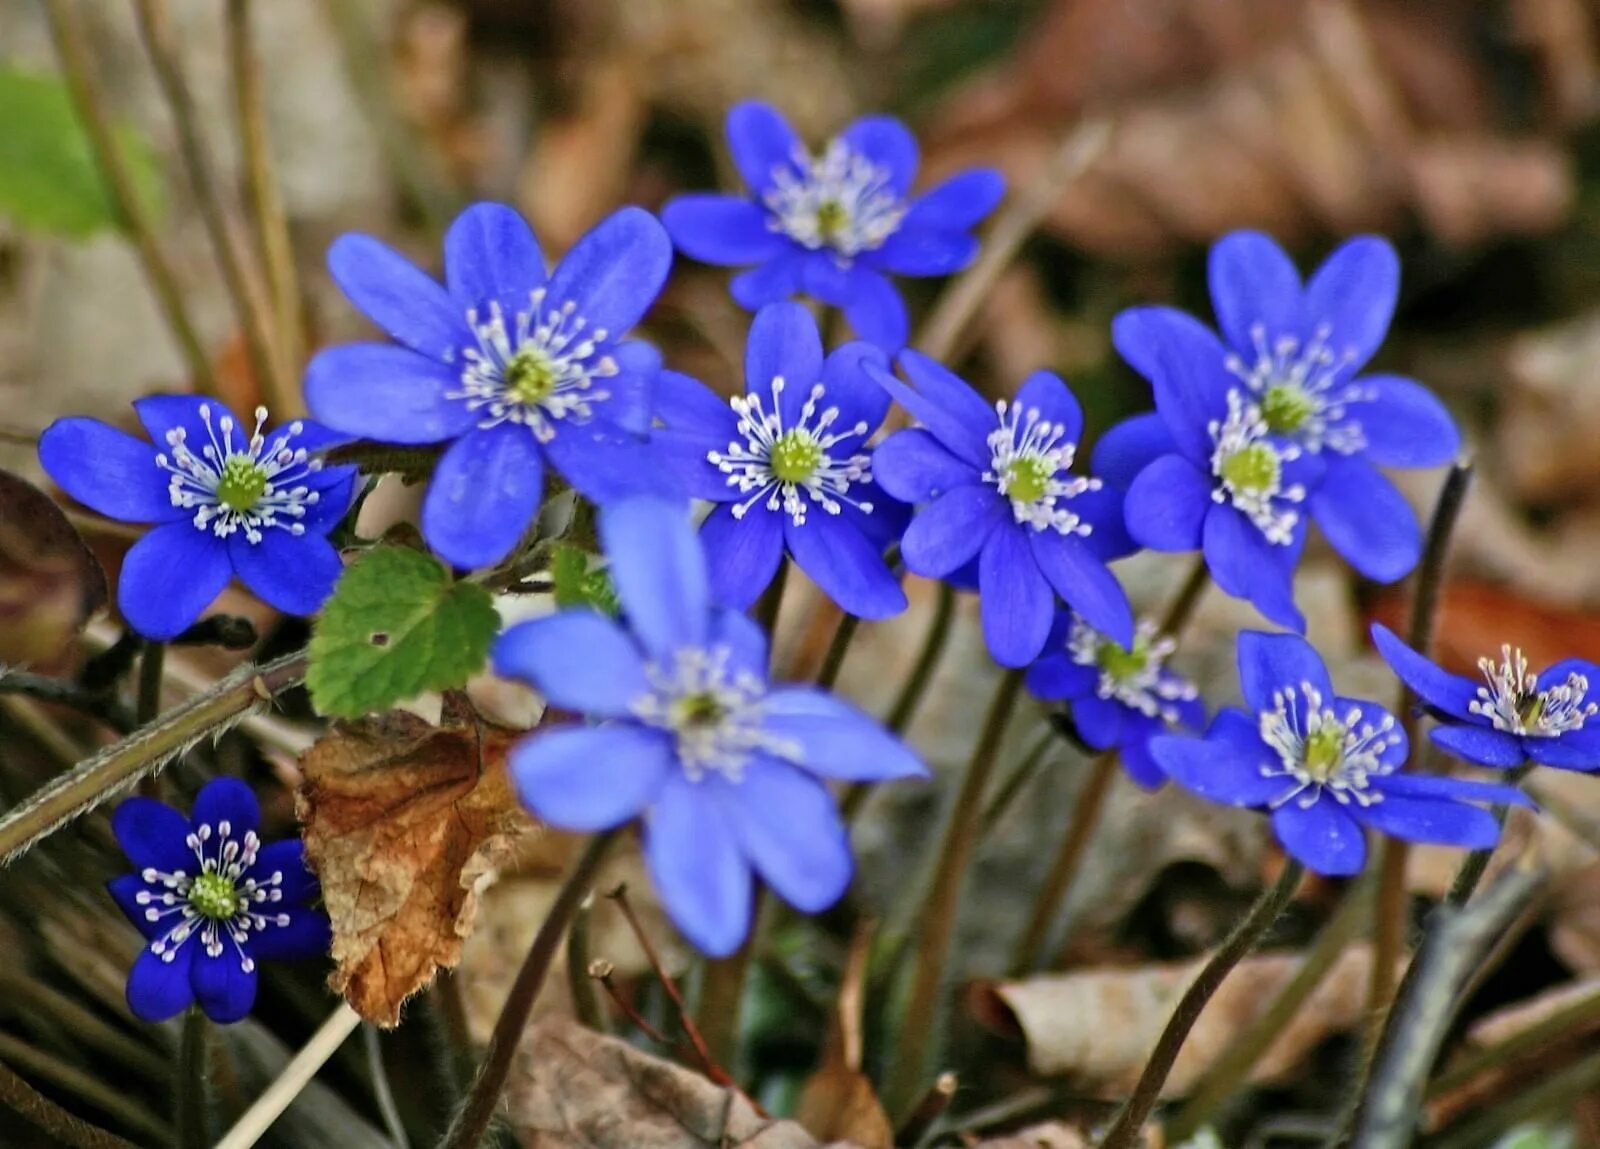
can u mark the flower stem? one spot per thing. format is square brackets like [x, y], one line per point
[193, 1118]
[1074, 846]
[585, 1001]
[1182, 607]
[39, 1111]
[771, 602]
[1473, 866]
[1125, 1130]
[833, 661]
[302, 1067]
[472, 1122]
[151, 663]
[910, 697]
[938, 916]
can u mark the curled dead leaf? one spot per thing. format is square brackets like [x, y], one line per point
[404, 824]
[50, 582]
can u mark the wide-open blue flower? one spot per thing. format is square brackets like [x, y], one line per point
[725, 769]
[513, 367]
[997, 486]
[1121, 697]
[212, 900]
[1513, 716]
[833, 226]
[1326, 767]
[788, 464]
[225, 500]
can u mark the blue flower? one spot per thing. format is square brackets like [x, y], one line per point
[225, 502]
[997, 486]
[832, 226]
[726, 770]
[1121, 698]
[788, 465]
[1328, 768]
[212, 901]
[1272, 422]
[1512, 717]
[512, 367]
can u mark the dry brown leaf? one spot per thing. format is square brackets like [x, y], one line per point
[842, 1103]
[1097, 1028]
[50, 582]
[404, 822]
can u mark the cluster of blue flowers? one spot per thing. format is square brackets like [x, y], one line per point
[514, 370]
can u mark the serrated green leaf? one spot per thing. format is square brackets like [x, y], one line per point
[396, 626]
[577, 585]
[48, 177]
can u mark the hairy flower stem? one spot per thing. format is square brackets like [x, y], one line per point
[80, 71]
[1124, 1131]
[472, 1121]
[1390, 909]
[770, 603]
[580, 983]
[193, 1116]
[151, 665]
[909, 700]
[45, 1115]
[937, 921]
[833, 661]
[1074, 847]
[147, 749]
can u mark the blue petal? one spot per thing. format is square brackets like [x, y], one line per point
[700, 874]
[227, 800]
[632, 389]
[125, 891]
[1365, 712]
[287, 858]
[1057, 678]
[193, 414]
[1453, 789]
[1085, 583]
[1102, 510]
[492, 256]
[923, 251]
[915, 467]
[789, 828]
[333, 499]
[592, 777]
[1430, 820]
[783, 343]
[1254, 285]
[1135, 751]
[169, 577]
[1563, 753]
[1167, 505]
[1186, 366]
[1480, 744]
[742, 554]
[402, 299]
[772, 282]
[484, 492]
[606, 463]
[1225, 765]
[1047, 393]
[684, 403]
[1272, 662]
[875, 310]
[1129, 447]
[889, 144]
[1439, 688]
[1557, 674]
[1405, 424]
[742, 637]
[225, 990]
[659, 571]
[1246, 566]
[580, 660]
[1322, 836]
[762, 143]
[307, 934]
[721, 229]
[107, 471]
[152, 834]
[958, 203]
[952, 529]
[1353, 295]
[1099, 721]
[1014, 599]
[946, 405]
[684, 455]
[826, 280]
[835, 740]
[291, 573]
[614, 273]
[1367, 519]
[157, 989]
[857, 396]
[845, 565]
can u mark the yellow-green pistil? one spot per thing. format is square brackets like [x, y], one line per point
[795, 457]
[214, 896]
[1252, 470]
[1324, 752]
[697, 711]
[1027, 479]
[1286, 407]
[832, 219]
[530, 376]
[241, 484]
[1121, 663]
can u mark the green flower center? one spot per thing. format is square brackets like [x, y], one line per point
[1121, 663]
[1324, 752]
[1027, 479]
[1286, 407]
[697, 711]
[795, 456]
[242, 483]
[1252, 470]
[214, 896]
[530, 376]
[1531, 709]
[832, 219]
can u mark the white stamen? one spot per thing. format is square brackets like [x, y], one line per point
[1352, 750]
[712, 711]
[281, 471]
[1029, 455]
[1147, 686]
[841, 201]
[1314, 375]
[1513, 702]
[1245, 433]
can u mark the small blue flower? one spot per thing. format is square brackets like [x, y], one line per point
[1328, 768]
[1121, 698]
[212, 900]
[834, 226]
[725, 769]
[998, 488]
[788, 464]
[512, 367]
[1514, 716]
[226, 502]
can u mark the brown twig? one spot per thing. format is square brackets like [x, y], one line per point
[924, 1113]
[604, 972]
[45, 1115]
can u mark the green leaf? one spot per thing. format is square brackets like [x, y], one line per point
[577, 585]
[49, 180]
[396, 626]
